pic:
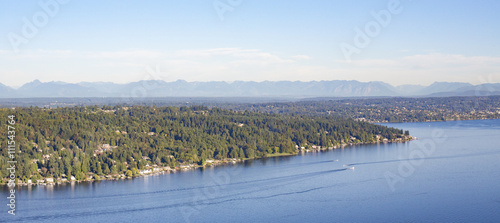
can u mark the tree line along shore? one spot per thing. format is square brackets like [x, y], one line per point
[55, 145]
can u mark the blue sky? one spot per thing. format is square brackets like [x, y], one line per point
[119, 41]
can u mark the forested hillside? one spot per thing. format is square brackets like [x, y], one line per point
[90, 141]
[387, 109]
[369, 109]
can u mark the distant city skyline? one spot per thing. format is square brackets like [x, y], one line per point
[397, 42]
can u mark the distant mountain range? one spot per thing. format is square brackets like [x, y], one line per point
[180, 88]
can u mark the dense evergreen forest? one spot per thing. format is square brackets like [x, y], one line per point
[87, 141]
[369, 109]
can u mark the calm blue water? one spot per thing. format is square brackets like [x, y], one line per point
[451, 174]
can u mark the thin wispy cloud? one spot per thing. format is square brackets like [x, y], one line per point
[301, 57]
[127, 54]
[234, 55]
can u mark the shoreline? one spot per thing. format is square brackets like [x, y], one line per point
[211, 163]
[448, 120]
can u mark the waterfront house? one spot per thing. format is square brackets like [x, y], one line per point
[147, 171]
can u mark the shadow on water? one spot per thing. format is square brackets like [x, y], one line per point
[90, 186]
[209, 201]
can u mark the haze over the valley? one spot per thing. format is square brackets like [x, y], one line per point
[180, 88]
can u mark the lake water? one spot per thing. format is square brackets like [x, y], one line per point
[450, 174]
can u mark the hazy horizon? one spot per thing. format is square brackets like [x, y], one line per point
[396, 42]
[229, 82]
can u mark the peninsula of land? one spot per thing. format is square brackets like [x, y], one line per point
[57, 145]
